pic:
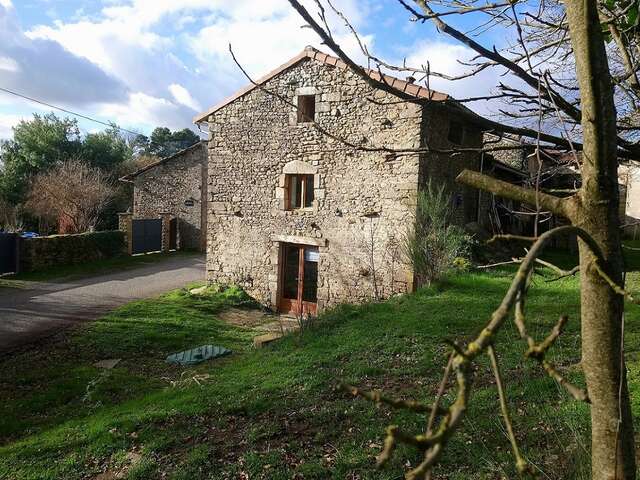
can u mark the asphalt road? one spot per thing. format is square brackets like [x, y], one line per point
[45, 308]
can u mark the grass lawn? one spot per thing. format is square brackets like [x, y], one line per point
[86, 269]
[274, 413]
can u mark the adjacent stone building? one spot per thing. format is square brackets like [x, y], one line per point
[302, 220]
[177, 185]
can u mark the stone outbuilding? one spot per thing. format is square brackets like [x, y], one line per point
[175, 185]
[307, 214]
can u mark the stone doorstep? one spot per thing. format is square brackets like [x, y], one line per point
[199, 290]
[282, 323]
[253, 319]
[107, 364]
[268, 327]
[276, 330]
[262, 340]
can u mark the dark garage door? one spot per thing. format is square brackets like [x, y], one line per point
[8, 257]
[146, 235]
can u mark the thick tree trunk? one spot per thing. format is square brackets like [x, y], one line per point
[596, 211]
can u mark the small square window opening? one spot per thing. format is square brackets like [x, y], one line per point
[299, 191]
[306, 108]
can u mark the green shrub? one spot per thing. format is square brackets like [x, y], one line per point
[432, 244]
[43, 252]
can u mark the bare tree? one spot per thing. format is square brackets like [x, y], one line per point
[586, 121]
[73, 194]
[10, 217]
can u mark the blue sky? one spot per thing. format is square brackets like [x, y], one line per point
[148, 63]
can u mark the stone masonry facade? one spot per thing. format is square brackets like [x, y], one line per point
[364, 201]
[176, 185]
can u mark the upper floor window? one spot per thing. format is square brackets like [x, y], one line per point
[306, 108]
[456, 132]
[299, 190]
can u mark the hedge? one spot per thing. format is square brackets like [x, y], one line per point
[44, 252]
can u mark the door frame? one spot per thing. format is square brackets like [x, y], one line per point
[295, 306]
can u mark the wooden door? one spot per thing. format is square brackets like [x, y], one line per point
[299, 280]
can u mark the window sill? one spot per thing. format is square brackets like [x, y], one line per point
[301, 211]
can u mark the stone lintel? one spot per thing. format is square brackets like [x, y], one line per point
[316, 242]
[299, 167]
[307, 91]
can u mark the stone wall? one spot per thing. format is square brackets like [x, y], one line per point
[256, 138]
[516, 157]
[176, 186]
[443, 168]
[40, 253]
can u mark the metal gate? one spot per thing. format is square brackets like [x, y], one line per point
[146, 235]
[8, 254]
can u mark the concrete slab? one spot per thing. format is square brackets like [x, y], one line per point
[107, 364]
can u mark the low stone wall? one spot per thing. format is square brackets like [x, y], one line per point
[44, 252]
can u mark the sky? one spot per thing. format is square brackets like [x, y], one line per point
[149, 63]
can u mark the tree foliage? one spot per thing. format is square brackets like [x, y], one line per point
[46, 142]
[37, 145]
[106, 150]
[163, 142]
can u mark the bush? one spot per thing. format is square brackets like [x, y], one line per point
[433, 245]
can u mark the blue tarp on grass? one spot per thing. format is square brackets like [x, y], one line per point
[198, 355]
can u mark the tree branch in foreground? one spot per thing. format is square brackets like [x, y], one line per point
[559, 206]
[433, 443]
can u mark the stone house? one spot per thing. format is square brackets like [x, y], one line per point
[303, 221]
[177, 185]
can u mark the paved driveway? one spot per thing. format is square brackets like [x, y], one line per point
[27, 315]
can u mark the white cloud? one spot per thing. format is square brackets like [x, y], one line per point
[7, 122]
[172, 58]
[106, 43]
[6, 4]
[262, 39]
[183, 97]
[143, 109]
[8, 64]
[43, 69]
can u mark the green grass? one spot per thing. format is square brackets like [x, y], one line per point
[86, 269]
[274, 413]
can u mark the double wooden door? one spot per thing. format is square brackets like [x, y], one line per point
[299, 280]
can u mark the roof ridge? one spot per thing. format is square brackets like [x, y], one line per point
[314, 54]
